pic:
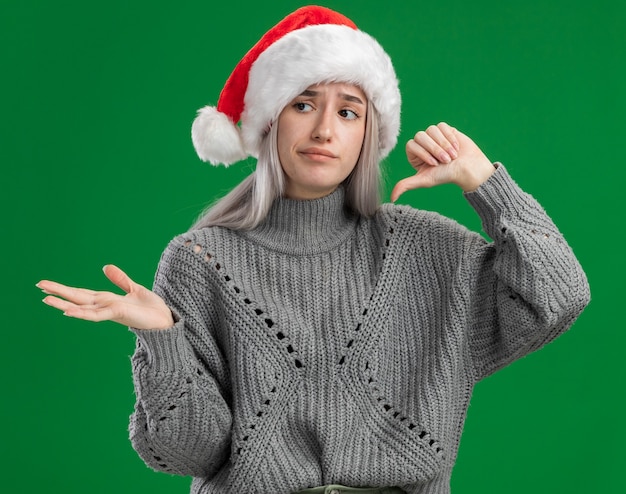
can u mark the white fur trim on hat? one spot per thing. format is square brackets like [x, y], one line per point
[215, 138]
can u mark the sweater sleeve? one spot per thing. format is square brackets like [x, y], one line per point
[528, 286]
[181, 423]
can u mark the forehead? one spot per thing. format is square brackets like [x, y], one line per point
[338, 88]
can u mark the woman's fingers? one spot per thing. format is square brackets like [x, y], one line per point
[58, 303]
[118, 277]
[80, 302]
[400, 188]
[450, 142]
[95, 300]
[417, 181]
[79, 296]
[418, 155]
[84, 296]
[437, 144]
[87, 312]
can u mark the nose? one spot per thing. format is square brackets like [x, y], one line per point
[323, 130]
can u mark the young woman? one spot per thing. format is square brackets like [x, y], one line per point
[303, 338]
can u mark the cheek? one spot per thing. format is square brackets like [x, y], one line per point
[287, 136]
[282, 146]
[357, 139]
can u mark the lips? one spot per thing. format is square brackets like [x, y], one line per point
[317, 153]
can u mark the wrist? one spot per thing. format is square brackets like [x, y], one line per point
[168, 322]
[474, 177]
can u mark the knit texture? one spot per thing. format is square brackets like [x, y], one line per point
[327, 348]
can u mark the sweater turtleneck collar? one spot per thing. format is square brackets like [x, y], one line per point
[302, 227]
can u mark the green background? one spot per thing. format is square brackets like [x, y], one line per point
[98, 167]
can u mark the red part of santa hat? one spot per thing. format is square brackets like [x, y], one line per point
[310, 46]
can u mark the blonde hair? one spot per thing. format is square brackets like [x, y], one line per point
[248, 204]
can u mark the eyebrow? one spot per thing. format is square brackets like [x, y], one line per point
[344, 96]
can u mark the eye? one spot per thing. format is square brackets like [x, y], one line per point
[348, 114]
[302, 107]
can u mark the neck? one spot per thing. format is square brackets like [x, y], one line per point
[306, 194]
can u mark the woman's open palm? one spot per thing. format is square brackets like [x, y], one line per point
[140, 308]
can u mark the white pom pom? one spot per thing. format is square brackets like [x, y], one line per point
[215, 137]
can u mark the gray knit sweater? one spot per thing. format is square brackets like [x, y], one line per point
[326, 348]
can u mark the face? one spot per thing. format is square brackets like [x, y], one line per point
[320, 135]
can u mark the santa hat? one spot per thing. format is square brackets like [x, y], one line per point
[310, 46]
